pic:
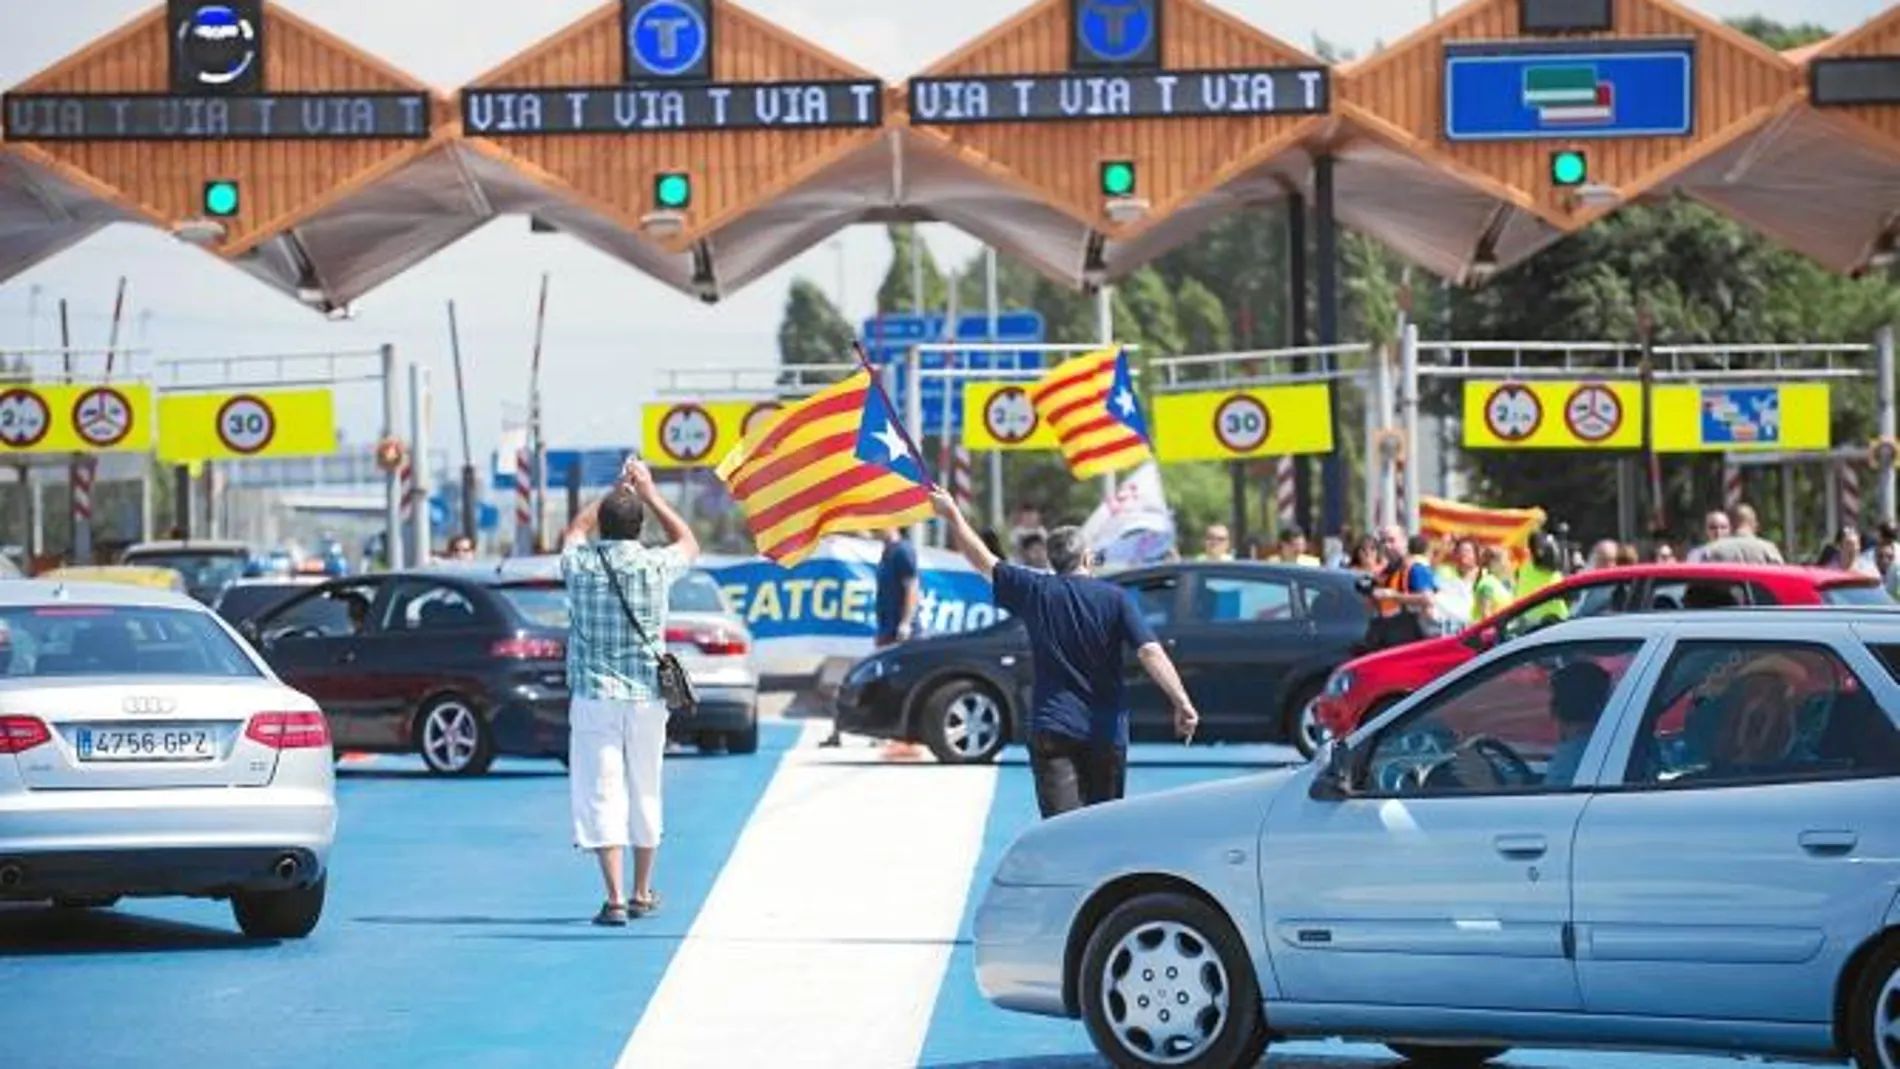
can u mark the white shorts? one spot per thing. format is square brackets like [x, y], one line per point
[614, 751]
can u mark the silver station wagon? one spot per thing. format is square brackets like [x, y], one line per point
[1669, 832]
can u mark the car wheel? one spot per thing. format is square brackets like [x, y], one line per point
[744, 742]
[1873, 1020]
[964, 723]
[1299, 725]
[1427, 1056]
[288, 914]
[1167, 982]
[453, 740]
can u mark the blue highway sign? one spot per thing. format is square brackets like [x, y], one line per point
[888, 339]
[598, 467]
[1528, 91]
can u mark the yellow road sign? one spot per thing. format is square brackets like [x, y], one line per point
[999, 417]
[1742, 419]
[1553, 415]
[1262, 421]
[697, 434]
[75, 419]
[234, 425]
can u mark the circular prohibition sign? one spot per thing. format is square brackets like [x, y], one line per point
[1242, 423]
[687, 433]
[1593, 413]
[1010, 416]
[761, 412]
[1513, 412]
[246, 424]
[102, 416]
[24, 418]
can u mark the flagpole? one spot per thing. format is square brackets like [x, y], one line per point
[877, 383]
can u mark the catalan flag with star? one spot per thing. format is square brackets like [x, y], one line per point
[1089, 402]
[831, 463]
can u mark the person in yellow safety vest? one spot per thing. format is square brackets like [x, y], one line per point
[1493, 588]
[1544, 569]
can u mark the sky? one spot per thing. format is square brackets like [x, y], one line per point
[611, 331]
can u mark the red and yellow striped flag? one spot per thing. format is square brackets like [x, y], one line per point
[832, 463]
[1090, 404]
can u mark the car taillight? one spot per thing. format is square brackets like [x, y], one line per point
[711, 641]
[529, 649]
[19, 734]
[289, 731]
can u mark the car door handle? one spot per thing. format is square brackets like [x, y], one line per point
[1828, 842]
[346, 657]
[1517, 846]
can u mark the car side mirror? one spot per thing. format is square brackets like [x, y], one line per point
[247, 629]
[1333, 783]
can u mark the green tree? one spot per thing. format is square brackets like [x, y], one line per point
[1779, 36]
[813, 331]
[896, 293]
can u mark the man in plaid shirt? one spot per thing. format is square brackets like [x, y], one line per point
[617, 720]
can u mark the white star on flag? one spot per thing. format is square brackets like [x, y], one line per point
[1126, 402]
[893, 442]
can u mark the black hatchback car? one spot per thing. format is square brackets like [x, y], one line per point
[458, 667]
[1254, 644]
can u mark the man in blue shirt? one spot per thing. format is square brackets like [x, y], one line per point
[1078, 628]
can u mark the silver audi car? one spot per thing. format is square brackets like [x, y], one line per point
[146, 751]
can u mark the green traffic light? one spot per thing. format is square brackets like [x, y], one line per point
[1118, 178]
[1568, 168]
[221, 199]
[672, 191]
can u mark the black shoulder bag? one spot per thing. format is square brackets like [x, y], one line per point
[676, 687]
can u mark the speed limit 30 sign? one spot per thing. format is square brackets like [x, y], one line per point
[246, 424]
[1242, 423]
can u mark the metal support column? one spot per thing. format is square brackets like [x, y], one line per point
[1297, 337]
[1408, 423]
[998, 519]
[914, 420]
[1326, 252]
[1380, 485]
[1790, 523]
[1105, 333]
[1883, 353]
[181, 500]
[392, 481]
[422, 542]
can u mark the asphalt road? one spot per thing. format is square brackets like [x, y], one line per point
[817, 914]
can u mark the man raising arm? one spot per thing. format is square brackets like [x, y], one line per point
[637, 479]
[1078, 627]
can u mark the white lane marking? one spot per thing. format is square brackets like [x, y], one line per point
[826, 938]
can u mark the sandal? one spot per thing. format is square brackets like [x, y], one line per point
[611, 915]
[641, 907]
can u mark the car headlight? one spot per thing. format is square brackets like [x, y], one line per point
[868, 671]
[1339, 683]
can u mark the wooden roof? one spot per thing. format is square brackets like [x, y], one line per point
[282, 180]
[610, 176]
[1180, 160]
[1740, 84]
[1821, 181]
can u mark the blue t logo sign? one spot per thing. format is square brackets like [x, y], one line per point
[1115, 32]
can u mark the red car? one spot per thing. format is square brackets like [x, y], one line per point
[1361, 689]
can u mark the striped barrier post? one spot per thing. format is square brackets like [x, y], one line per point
[1285, 493]
[81, 478]
[524, 503]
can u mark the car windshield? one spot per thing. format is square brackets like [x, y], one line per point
[202, 570]
[1857, 594]
[105, 640]
[250, 601]
[544, 604]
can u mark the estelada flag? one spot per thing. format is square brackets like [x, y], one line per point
[832, 463]
[1509, 528]
[1090, 404]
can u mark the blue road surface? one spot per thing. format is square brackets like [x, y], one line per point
[457, 934]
